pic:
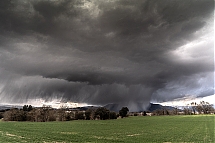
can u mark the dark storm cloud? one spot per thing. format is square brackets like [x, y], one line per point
[101, 52]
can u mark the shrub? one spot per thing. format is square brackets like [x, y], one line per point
[1, 115]
[123, 112]
[14, 114]
[79, 115]
[102, 113]
[90, 113]
[113, 115]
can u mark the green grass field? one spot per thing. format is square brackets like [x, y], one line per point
[197, 129]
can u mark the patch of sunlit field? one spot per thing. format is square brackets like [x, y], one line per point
[139, 129]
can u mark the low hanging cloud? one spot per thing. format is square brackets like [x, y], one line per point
[100, 52]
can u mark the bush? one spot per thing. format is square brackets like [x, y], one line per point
[113, 115]
[1, 115]
[15, 114]
[52, 115]
[144, 113]
[79, 116]
[102, 113]
[90, 113]
[123, 112]
[31, 116]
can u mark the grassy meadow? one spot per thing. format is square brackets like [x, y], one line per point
[139, 129]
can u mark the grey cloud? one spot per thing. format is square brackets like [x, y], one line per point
[102, 52]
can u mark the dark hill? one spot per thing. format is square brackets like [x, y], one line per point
[152, 107]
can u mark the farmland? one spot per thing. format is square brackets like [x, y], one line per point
[196, 128]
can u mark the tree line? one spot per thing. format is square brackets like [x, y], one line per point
[191, 109]
[47, 113]
[201, 108]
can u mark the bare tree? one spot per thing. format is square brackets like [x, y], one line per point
[204, 107]
[14, 114]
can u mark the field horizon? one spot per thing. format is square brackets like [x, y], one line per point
[188, 128]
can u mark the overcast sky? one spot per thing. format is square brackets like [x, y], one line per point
[106, 51]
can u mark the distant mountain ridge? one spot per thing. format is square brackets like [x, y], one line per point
[112, 107]
[4, 107]
[152, 107]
